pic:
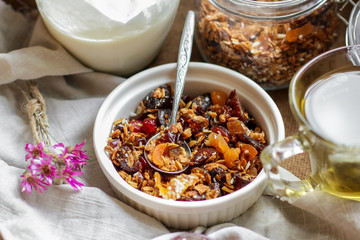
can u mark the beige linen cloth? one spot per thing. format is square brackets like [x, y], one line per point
[73, 94]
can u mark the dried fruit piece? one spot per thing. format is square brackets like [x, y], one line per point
[234, 103]
[221, 130]
[137, 125]
[248, 151]
[219, 97]
[158, 98]
[236, 127]
[201, 104]
[218, 142]
[295, 34]
[203, 155]
[149, 126]
[231, 156]
[158, 153]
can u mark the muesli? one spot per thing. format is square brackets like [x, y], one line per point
[224, 138]
[269, 52]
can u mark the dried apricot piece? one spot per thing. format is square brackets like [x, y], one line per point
[248, 151]
[219, 97]
[218, 142]
[294, 34]
[231, 156]
[237, 126]
[158, 153]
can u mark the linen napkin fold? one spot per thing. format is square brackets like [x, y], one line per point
[73, 94]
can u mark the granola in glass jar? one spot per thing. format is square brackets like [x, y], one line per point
[262, 40]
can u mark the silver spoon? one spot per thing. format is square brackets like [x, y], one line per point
[181, 70]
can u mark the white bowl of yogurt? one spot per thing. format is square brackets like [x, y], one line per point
[118, 37]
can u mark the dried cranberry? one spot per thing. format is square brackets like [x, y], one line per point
[149, 126]
[203, 154]
[221, 130]
[137, 125]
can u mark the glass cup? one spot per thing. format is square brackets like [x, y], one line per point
[324, 99]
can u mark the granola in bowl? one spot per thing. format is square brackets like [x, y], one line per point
[201, 78]
[225, 142]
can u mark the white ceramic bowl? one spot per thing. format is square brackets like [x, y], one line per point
[201, 78]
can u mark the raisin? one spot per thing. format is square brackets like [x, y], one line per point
[152, 102]
[218, 174]
[203, 155]
[250, 123]
[201, 104]
[221, 130]
[122, 156]
[142, 164]
[247, 139]
[170, 137]
[240, 182]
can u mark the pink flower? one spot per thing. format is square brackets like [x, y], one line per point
[31, 181]
[60, 150]
[78, 157]
[68, 174]
[63, 163]
[34, 151]
[44, 168]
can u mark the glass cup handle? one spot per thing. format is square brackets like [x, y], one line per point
[273, 155]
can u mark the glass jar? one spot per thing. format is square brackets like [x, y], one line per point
[266, 40]
[119, 37]
[353, 29]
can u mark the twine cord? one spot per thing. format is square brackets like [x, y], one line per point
[35, 108]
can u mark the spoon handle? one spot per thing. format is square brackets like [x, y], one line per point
[184, 55]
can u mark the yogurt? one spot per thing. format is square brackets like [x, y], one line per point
[118, 37]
